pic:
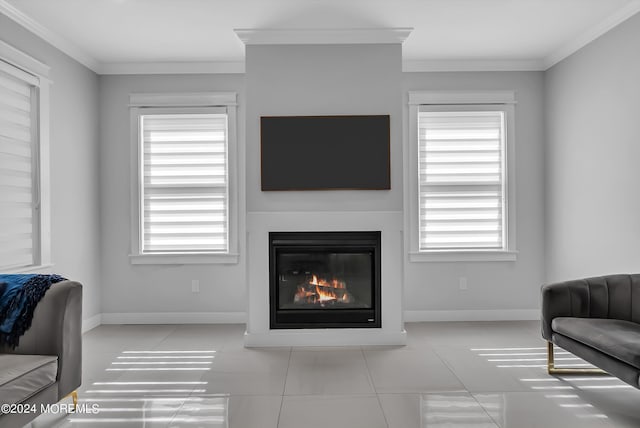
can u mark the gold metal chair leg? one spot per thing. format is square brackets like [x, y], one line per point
[74, 396]
[551, 368]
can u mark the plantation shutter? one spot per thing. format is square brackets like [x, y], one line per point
[461, 180]
[185, 183]
[18, 174]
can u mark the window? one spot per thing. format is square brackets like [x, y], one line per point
[24, 208]
[464, 206]
[461, 180]
[183, 203]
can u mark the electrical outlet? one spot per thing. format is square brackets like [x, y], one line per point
[463, 283]
[195, 286]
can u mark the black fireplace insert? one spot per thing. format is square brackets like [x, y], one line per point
[324, 279]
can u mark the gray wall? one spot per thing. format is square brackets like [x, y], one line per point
[75, 213]
[136, 289]
[592, 154]
[492, 285]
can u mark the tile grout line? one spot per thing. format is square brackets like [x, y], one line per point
[485, 411]
[375, 390]
[284, 386]
[450, 368]
[466, 389]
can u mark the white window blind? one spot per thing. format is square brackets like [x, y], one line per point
[19, 193]
[462, 180]
[185, 197]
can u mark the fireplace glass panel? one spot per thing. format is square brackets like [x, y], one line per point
[312, 280]
[324, 279]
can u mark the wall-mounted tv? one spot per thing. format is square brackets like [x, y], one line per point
[325, 152]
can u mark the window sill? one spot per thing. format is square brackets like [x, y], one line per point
[462, 256]
[30, 269]
[184, 259]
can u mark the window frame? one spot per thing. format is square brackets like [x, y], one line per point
[141, 104]
[457, 101]
[36, 73]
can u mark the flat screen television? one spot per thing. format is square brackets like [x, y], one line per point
[325, 152]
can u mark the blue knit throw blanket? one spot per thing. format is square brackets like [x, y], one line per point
[19, 295]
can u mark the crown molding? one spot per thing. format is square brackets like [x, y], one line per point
[195, 67]
[48, 36]
[417, 66]
[338, 36]
[593, 33]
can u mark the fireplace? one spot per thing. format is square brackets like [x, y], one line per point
[324, 279]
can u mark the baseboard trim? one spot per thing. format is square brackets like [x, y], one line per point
[473, 315]
[91, 323]
[174, 318]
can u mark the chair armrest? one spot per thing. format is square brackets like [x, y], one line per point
[56, 329]
[563, 299]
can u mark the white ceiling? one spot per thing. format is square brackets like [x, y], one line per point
[107, 34]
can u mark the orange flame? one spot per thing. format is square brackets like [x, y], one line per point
[325, 291]
[325, 295]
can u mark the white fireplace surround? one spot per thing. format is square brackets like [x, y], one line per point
[259, 224]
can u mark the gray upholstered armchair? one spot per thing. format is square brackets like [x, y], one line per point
[47, 365]
[597, 319]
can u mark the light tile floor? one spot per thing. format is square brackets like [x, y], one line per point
[488, 374]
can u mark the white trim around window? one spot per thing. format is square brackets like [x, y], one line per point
[33, 75]
[461, 101]
[215, 111]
